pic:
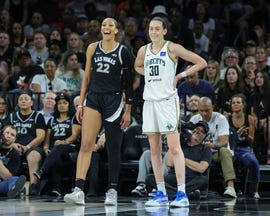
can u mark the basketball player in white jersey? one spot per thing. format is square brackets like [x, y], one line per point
[157, 61]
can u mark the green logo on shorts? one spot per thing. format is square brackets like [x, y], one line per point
[169, 126]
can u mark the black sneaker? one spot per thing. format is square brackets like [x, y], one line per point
[140, 190]
[55, 193]
[34, 190]
[18, 187]
[39, 173]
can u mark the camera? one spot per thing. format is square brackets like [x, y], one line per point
[186, 129]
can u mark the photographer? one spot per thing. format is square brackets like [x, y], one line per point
[197, 159]
[10, 161]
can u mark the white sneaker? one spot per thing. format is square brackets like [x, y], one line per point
[256, 195]
[230, 192]
[181, 200]
[111, 197]
[76, 197]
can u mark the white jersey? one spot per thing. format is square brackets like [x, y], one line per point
[159, 73]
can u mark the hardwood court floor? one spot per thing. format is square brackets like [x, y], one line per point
[216, 206]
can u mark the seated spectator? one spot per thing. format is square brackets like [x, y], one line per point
[229, 57]
[10, 161]
[261, 111]
[6, 50]
[70, 72]
[194, 85]
[21, 80]
[218, 141]
[17, 38]
[48, 102]
[197, 159]
[4, 111]
[42, 83]
[75, 44]
[212, 74]
[55, 50]
[62, 134]
[31, 129]
[145, 165]
[201, 41]
[36, 25]
[248, 72]
[39, 53]
[192, 107]
[233, 84]
[242, 129]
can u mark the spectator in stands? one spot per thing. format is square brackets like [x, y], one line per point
[248, 72]
[48, 102]
[56, 50]
[6, 50]
[229, 57]
[197, 160]
[93, 33]
[145, 165]
[201, 46]
[4, 72]
[18, 10]
[81, 25]
[4, 111]
[261, 111]
[10, 161]
[137, 9]
[179, 33]
[106, 6]
[39, 53]
[70, 71]
[212, 74]
[261, 60]
[233, 84]
[131, 28]
[5, 20]
[75, 44]
[21, 80]
[66, 19]
[236, 14]
[250, 48]
[42, 83]
[17, 38]
[218, 141]
[36, 25]
[77, 6]
[55, 34]
[242, 129]
[201, 14]
[31, 129]
[62, 134]
[192, 107]
[194, 85]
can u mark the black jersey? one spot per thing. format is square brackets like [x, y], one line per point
[11, 159]
[112, 71]
[61, 130]
[26, 126]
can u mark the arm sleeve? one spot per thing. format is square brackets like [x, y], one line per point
[127, 81]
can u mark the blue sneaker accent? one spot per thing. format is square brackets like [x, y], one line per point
[159, 199]
[181, 200]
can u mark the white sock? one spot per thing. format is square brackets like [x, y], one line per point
[181, 187]
[161, 187]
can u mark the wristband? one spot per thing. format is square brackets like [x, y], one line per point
[65, 142]
[28, 147]
[183, 74]
[80, 106]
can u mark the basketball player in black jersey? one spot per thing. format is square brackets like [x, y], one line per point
[108, 73]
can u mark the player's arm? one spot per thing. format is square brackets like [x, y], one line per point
[176, 51]
[139, 61]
